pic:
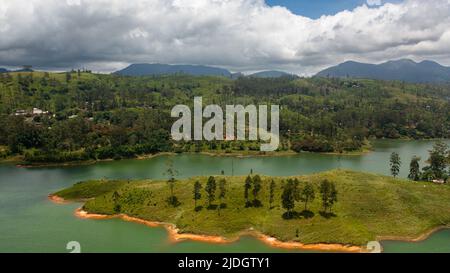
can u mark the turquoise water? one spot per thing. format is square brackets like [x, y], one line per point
[31, 223]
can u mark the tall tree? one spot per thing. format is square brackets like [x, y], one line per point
[68, 76]
[222, 192]
[211, 190]
[439, 159]
[414, 169]
[115, 198]
[247, 187]
[395, 164]
[271, 193]
[307, 195]
[328, 194]
[171, 172]
[197, 193]
[288, 197]
[256, 187]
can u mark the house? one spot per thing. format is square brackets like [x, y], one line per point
[20, 113]
[438, 181]
[37, 111]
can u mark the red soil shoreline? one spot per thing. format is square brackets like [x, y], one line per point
[175, 236]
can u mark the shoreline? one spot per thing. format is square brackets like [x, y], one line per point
[175, 236]
[410, 239]
[20, 164]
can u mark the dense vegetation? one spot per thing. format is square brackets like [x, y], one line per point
[363, 209]
[93, 116]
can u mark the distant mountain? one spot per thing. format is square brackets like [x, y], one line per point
[237, 75]
[167, 69]
[24, 70]
[270, 74]
[4, 70]
[402, 70]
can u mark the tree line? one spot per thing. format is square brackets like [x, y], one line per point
[437, 167]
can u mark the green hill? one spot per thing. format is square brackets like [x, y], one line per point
[94, 116]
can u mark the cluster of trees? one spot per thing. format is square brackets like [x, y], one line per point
[292, 192]
[437, 168]
[109, 116]
[210, 190]
[252, 184]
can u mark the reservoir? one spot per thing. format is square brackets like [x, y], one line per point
[29, 222]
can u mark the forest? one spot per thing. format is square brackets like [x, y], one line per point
[77, 116]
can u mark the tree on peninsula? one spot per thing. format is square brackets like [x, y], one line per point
[211, 190]
[197, 193]
[395, 164]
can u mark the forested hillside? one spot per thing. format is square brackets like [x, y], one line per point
[81, 116]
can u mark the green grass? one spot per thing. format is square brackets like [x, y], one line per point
[368, 206]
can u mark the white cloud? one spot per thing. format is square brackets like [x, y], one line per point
[237, 34]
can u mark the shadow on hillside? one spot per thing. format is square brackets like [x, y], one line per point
[253, 204]
[212, 207]
[173, 201]
[306, 214]
[327, 215]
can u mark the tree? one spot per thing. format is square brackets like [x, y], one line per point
[115, 198]
[211, 190]
[288, 197]
[414, 169]
[271, 193]
[395, 164]
[197, 192]
[328, 194]
[247, 187]
[68, 76]
[171, 172]
[307, 194]
[439, 159]
[222, 192]
[256, 189]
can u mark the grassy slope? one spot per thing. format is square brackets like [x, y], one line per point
[369, 206]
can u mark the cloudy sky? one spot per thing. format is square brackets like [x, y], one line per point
[299, 36]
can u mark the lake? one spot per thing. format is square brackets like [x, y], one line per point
[31, 223]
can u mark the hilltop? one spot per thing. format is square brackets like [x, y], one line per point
[167, 69]
[401, 70]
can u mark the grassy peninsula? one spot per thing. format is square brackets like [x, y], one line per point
[369, 207]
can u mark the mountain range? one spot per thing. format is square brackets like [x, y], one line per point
[4, 70]
[270, 74]
[167, 69]
[401, 70]
[195, 70]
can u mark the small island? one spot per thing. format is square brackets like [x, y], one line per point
[338, 210]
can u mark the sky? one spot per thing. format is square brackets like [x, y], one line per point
[316, 8]
[302, 36]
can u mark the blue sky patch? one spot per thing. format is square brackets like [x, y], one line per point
[316, 8]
